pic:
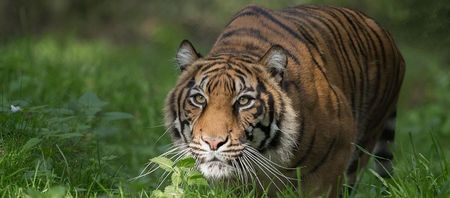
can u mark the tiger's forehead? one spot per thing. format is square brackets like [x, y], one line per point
[225, 78]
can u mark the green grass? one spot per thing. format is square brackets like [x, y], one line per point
[92, 118]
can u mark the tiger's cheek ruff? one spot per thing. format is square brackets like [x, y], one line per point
[275, 132]
[285, 129]
[175, 117]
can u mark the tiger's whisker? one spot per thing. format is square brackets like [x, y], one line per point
[237, 170]
[168, 128]
[244, 167]
[272, 162]
[252, 170]
[164, 179]
[268, 161]
[265, 170]
[265, 161]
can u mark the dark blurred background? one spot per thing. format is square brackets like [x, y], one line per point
[418, 23]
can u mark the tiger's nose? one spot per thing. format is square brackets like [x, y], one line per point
[215, 142]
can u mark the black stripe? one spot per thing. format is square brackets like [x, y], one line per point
[253, 47]
[203, 80]
[323, 160]
[271, 107]
[255, 33]
[372, 49]
[276, 140]
[308, 38]
[266, 130]
[360, 54]
[212, 84]
[376, 49]
[349, 65]
[213, 70]
[385, 96]
[308, 151]
[212, 64]
[314, 26]
[283, 26]
[340, 45]
[179, 115]
[259, 111]
[276, 21]
[176, 133]
[172, 105]
[241, 79]
[243, 13]
[323, 73]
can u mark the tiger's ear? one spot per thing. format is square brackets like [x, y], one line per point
[186, 54]
[275, 61]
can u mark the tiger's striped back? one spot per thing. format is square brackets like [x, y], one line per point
[339, 41]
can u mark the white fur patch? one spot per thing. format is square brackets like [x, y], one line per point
[216, 170]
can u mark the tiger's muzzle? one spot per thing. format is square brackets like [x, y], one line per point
[215, 156]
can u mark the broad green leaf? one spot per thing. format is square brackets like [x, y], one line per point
[164, 163]
[91, 104]
[194, 174]
[196, 178]
[158, 193]
[186, 162]
[176, 178]
[172, 191]
[91, 99]
[30, 144]
[57, 191]
[197, 181]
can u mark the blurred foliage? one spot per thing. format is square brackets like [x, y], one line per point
[419, 23]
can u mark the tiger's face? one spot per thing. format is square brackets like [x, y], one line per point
[226, 112]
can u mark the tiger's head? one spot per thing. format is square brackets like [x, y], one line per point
[228, 112]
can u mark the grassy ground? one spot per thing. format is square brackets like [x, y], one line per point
[91, 117]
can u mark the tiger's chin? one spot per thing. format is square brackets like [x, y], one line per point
[216, 170]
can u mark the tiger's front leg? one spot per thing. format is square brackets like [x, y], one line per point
[327, 147]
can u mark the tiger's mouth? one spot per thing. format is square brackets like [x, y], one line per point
[216, 169]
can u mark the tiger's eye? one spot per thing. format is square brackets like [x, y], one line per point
[244, 101]
[199, 99]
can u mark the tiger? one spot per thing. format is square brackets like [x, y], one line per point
[309, 90]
